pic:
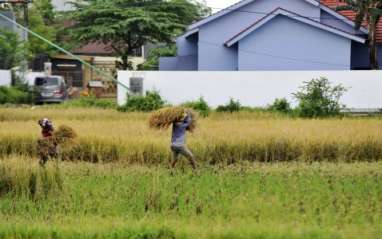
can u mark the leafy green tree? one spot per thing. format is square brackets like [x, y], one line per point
[232, 106]
[280, 105]
[199, 105]
[318, 98]
[126, 25]
[371, 11]
[46, 10]
[42, 21]
[152, 61]
[12, 49]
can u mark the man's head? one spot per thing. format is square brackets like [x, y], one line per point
[45, 123]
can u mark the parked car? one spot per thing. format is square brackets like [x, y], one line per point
[50, 89]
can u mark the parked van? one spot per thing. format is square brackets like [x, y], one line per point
[50, 89]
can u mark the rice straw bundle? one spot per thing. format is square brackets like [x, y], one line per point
[165, 117]
[46, 147]
[64, 134]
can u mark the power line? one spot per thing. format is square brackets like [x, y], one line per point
[248, 51]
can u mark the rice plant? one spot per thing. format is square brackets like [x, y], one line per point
[24, 178]
[279, 200]
[222, 138]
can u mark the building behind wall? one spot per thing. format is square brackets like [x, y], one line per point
[272, 35]
[77, 74]
[6, 24]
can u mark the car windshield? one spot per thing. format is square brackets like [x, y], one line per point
[46, 81]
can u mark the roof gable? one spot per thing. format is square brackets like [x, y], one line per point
[232, 8]
[296, 17]
[243, 3]
[347, 14]
[341, 17]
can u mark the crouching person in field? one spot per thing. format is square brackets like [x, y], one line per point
[47, 146]
[178, 141]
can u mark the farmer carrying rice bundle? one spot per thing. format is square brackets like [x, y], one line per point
[182, 120]
[47, 145]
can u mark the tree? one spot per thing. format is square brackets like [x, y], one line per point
[369, 11]
[318, 98]
[126, 25]
[152, 61]
[12, 49]
[46, 11]
[42, 21]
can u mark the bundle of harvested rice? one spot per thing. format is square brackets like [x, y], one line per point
[64, 134]
[193, 123]
[165, 117]
[47, 147]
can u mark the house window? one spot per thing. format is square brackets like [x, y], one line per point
[137, 52]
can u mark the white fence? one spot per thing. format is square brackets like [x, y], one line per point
[31, 76]
[5, 78]
[254, 88]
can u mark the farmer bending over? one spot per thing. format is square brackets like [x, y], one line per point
[178, 146]
[47, 146]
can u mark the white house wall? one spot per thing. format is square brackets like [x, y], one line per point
[254, 88]
[213, 55]
[5, 78]
[274, 47]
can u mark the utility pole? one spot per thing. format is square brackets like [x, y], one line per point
[26, 14]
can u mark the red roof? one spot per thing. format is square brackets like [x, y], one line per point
[95, 49]
[351, 15]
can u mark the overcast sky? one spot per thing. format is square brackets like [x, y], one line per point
[214, 4]
[220, 3]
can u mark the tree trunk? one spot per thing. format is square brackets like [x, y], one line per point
[373, 50]
[125, 62]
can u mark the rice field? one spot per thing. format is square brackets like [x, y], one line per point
[261, 176]
[279, 200]
[221, 139]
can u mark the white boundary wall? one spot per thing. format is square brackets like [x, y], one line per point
[254, 88]
[5, 78]
[31, 76]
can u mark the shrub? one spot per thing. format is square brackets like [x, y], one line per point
[280, 105]
[231, 106]
[199, 105]
[318, 98]
[151, 101]
[14, 95]
[91, 102]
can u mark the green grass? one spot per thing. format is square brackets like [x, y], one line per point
[324, 181]
[283, 200]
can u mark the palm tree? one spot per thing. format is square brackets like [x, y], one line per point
[369, 11]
